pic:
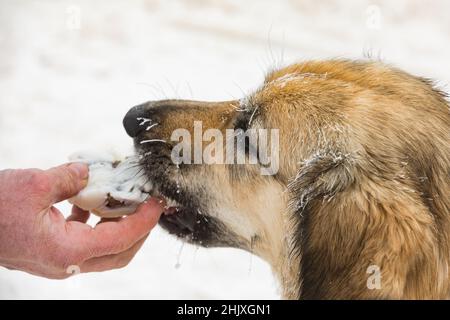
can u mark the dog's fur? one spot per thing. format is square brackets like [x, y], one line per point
[364, 179]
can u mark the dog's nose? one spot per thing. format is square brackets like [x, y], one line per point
[134, 121]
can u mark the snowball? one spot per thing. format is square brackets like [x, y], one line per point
[116, 184]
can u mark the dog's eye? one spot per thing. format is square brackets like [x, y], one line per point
[246, 137]
[245, 117]
[241, 122]
[243, 140]
[241, 127]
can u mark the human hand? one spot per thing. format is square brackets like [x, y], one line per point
[36, 238]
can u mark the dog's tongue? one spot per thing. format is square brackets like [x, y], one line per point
[170, 210]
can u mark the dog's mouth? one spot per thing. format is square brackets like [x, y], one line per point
[184, 223]
[186, 213]
[182, 215]
[180, 220]
[189, 223]
[184, 218]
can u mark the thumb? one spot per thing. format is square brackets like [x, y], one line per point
[67, 180]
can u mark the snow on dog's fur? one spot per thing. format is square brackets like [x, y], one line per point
[363, 180]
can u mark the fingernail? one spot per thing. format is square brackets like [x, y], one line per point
[80, 169]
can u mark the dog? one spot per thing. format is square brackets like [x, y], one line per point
[359, 204]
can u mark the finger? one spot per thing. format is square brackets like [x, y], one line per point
[115, 237]
[113, 261]
[103, 220]
[79, 215]
[67, 180]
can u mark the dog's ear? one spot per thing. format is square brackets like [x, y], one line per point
[321, 176]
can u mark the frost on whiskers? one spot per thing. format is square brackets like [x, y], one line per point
[116, 184]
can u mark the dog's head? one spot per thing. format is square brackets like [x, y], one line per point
[228, 168]
[224, 167]
[200, 157]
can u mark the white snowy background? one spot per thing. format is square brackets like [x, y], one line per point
[69, 71]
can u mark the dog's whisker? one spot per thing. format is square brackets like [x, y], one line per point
[143, 120]
[152, 140]
[252, 243]
[151, 126]
[191, 92]
[253, 114]
[178, 264]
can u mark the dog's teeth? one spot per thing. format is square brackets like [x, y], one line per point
[172, 203]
